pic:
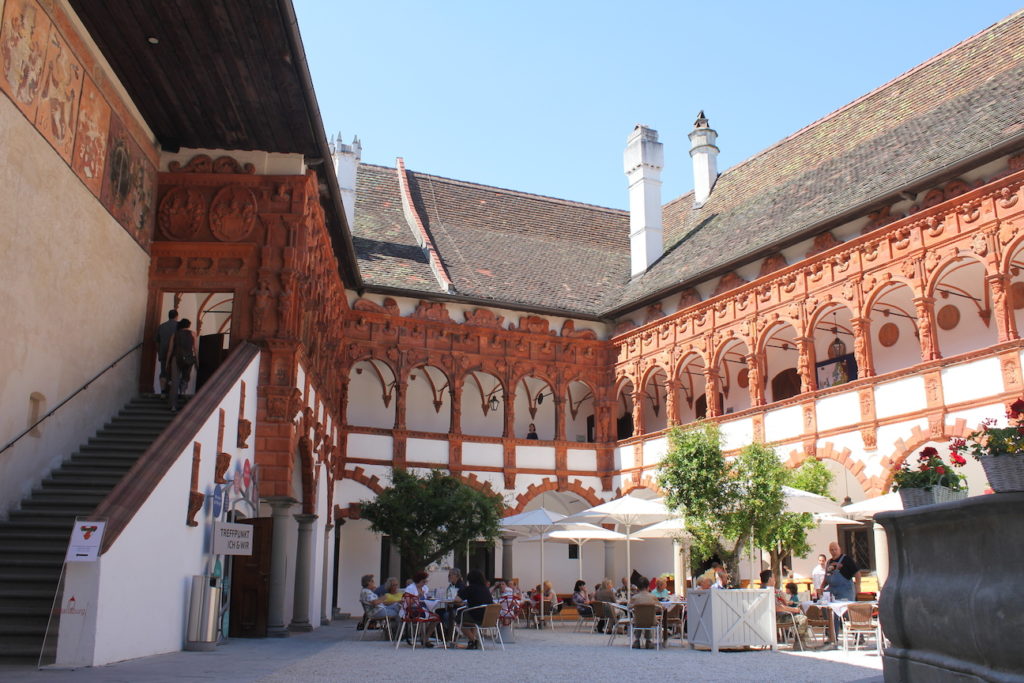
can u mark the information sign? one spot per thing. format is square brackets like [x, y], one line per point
[86, 537]
[232, 539]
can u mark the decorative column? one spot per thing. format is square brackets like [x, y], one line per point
[509, 404]
[755, 384]
[925, 308]
[881, 554]
[303, 556]
[638, 414]
[805, 364]
[278, 565]
[559, 418]
[609, 562]
[711, 391]
[507, 570]
[672, 402]
[1002, 306]
[400, 407]
[862, 347]
[455, 425]
[326, 608]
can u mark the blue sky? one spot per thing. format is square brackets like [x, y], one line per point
[540, 96]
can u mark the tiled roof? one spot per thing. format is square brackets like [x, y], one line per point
[509, 247]
[963, 102]
[524, 250]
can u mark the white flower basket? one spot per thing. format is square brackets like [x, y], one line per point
[1005, 473]
[913, 498]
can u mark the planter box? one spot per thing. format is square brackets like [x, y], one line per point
[952, 606]
[730, 618]
[1005, 473]
[913, 498]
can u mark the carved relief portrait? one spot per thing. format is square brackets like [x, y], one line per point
[91, 139]
[59, 94]
[23, 42]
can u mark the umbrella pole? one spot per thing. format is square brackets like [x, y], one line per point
[542, 576]
[579, 556]
[629, 569]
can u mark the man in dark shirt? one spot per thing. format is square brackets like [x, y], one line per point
[163, 340]
[473, 594]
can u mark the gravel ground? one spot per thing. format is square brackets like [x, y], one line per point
[334, 653]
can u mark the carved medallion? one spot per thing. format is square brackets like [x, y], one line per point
[948, 317]
[743, 378]
[181, 213]
[233, 213]
[888, 334]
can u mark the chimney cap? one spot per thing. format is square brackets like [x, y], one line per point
[702, 121]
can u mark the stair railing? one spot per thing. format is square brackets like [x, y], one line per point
[75, 393]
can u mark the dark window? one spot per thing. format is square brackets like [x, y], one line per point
[574, 551]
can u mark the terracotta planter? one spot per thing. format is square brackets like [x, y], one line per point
[1005, 473]
[913, 498]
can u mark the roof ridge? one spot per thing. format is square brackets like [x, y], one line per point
[833, 114]
[509, 191]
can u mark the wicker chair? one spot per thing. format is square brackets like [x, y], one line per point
[488, 623]
[858, 624]
[818, 621]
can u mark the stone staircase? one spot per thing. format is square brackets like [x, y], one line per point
[34, 539]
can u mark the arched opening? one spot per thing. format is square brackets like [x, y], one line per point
[36, 410]
[624, 427]
[692, 385]
[371, 391]
[483, 404]
[963, 308]
[781, 357]
[1015, 295]
[579, 413]
[833, 347]
[894, 336]
[655, 400]
[535, 405]
[734, 377]
[428, 404]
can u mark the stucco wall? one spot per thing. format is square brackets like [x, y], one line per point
[73, 299]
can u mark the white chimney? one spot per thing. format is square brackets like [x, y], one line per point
[643, 161]
[346, 162]
[705, 159]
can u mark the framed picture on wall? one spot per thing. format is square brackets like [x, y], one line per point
[838, 370]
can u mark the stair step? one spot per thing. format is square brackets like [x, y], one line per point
[103, 461]
[75, 507]
[22, 649]
[114, 449]
[40, 523]
[39, 572]
[99, 481]
[27, 626]
[62, 515]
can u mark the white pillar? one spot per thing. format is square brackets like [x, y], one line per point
[643, 160]
[678, 566]
[881, 554]
[278, 566]
[609, 563]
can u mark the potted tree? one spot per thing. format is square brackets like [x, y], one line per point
[1000, 450]
[932, 481]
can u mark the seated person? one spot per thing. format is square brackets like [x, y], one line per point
[500, 589]
[704, 582]
[784, 613]
[792, 594]
[473, 594]
[451, 593]
[513, 586]
[643, 597]
[661, 589]
[373, 606]
[605, 594]
[620, 594]
[418, 587]
[580, 600]
[392, 593]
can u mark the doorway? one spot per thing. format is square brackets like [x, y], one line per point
[250, 583]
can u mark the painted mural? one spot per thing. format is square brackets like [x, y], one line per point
[47, 81]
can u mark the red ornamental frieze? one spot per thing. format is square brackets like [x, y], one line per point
[233, 213]
[852, 273]
[181, 214]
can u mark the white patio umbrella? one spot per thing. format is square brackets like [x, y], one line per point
[867, 509]
[798, 500]
[833, 519]
[579, 533]
[539, 521]
[631, 512]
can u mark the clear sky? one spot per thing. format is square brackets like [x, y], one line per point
[540, 96]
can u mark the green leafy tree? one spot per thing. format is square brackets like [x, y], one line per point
[429, 516]
[787, 534]
[727, 503]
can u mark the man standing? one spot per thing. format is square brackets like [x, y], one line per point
[840, 574]
[163, 340]
[818, 575]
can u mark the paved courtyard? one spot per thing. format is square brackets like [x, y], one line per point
[334, 653]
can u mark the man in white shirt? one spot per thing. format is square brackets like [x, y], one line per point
[818, 575]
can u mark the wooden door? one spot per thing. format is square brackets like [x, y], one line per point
[250, 583]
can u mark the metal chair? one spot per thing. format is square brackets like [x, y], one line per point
[646, 618]
[369, 620]
[416, 616]
[488, 622]
[859, 623]
[619, 620]
[584, 618]
[510, 613]
[672, 623]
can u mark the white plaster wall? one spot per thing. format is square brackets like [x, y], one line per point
[783, 423]
[888, 434]
[153, 560]
[558, 568]
[473, 420]
[579, 459]
[738, 433]
[535, 457]
[360, 554]
[420, 413]
[482, 454]
[971, 381]
[838, 410]
[366, 397]
[901, 396]
[67, 316]
[654, 450]
[372, 446]
[427, 450]
[621, 455]
[576, 429]
[316, 565]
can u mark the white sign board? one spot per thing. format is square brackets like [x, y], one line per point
[86, 538]
[232, 539]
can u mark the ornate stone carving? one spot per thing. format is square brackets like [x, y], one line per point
[233, 213]
[429, 310]
[221, 468]
[181, 213]
[569, 330]
[201, 163]
[728, 282]
[244, 430]
[534, 324]
[688, 297]
[483, 317]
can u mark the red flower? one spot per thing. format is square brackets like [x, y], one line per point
[958, 459]
[924, 467]
[940, 469]
[1016, 409]
[928, 452]
[957, 444]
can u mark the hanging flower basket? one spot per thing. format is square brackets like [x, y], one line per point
[913, 498]
[1005, 473]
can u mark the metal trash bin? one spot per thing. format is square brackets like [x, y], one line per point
[203, 614]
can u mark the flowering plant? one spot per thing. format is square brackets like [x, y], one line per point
[992, 440]
[931, 471]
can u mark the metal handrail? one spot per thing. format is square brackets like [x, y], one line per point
[76, 393]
